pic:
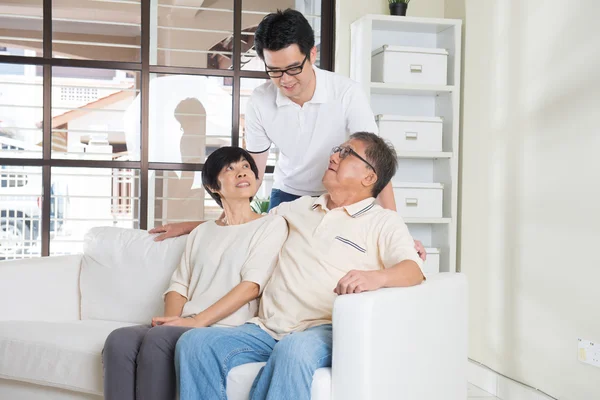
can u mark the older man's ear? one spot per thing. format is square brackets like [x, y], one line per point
[369, 180]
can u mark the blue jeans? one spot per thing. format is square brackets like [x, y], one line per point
[279, 196]
[204, 356]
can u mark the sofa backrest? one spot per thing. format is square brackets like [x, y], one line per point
[124, 273]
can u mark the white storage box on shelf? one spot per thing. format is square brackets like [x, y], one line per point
[419, 200]
[432, 264]
[411, 133]
[415, 65]
[411, 67]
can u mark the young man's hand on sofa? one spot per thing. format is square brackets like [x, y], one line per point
[174, 230]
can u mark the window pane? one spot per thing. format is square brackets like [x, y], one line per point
[20, 211]
[191, 34]
[95, 114]
[253, 11]
[21, 111]
[176, 196]
[97, 30]
[190, 116]
[247, 87]
[21, 28]
[83, 198]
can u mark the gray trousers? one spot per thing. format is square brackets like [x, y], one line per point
[139, 363]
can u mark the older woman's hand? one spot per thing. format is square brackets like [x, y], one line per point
[175, 321]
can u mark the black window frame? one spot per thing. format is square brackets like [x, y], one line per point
[144, 68]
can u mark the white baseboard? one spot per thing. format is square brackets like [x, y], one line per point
[500, 386]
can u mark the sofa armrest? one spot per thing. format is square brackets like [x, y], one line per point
[40, 289]
[402, 343]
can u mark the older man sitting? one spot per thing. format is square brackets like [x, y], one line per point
[339, 243]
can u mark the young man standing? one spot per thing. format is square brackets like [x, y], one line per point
[303, 110]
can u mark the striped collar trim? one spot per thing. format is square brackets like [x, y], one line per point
[362, 207]
[321, 201]
[354, 210]
[363, 211]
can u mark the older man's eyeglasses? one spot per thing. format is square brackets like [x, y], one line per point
[278, 73]
[345, 151]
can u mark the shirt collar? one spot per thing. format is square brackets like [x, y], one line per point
[354, 210]
[319, 96]
[321, 201]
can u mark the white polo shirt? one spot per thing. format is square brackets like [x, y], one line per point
[322, 246]
[305, 135]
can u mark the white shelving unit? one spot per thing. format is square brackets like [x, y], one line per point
[415, 100]
[424, 154]
[409, 90]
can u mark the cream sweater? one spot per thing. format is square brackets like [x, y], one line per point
[218, 258]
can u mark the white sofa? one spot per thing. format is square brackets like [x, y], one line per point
[56, 312]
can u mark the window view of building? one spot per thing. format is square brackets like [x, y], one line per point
[119, 154]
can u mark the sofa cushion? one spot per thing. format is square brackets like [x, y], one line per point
[239, 382]
[124, 273]
[68, 355]
[61, 354]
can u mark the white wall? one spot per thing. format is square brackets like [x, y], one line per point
[348, 11]
[531, 189]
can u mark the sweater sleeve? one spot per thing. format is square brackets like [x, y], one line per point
[264, 252]
[180, 280]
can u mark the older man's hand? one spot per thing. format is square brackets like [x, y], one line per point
[360, 281]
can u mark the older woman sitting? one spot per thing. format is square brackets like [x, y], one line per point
[225, 266]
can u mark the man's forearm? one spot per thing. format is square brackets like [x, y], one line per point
[190, 226]
[174, 303]
[261, 164]
[386, 198]
[404, 274]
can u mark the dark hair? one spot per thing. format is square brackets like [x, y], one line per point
[280, 29]
[382, 155]
[218, 160]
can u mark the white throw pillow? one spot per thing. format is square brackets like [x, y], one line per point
[124, 273]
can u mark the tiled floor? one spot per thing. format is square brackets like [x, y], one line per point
[475, 393]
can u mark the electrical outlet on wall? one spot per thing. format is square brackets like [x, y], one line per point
[588, 352]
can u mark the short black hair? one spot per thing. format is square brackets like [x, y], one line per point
[382, 155]
[218, 160]
[281, 29]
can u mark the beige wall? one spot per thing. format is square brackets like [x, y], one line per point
[348, 11]
[531, 189]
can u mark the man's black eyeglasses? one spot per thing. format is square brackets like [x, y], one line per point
[344, 151]
[278, 73]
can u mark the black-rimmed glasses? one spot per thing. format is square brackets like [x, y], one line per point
[278, 73]
[344, 151]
